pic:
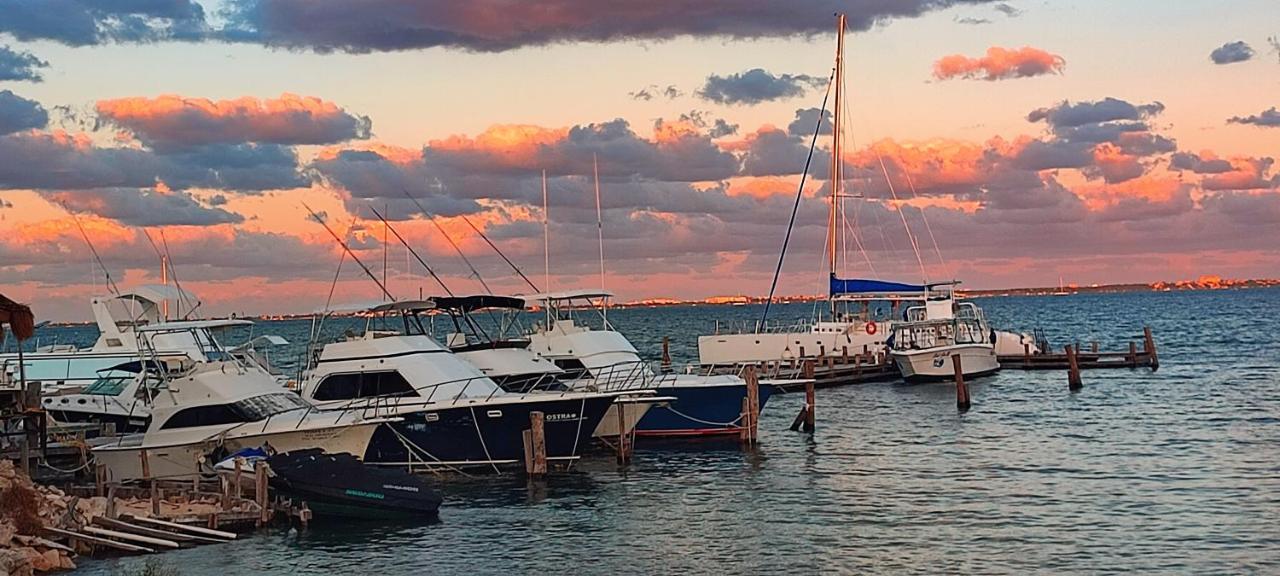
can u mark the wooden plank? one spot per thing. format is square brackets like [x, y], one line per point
[152, 532]
[182, 527]
[117, 535]
[99, 541]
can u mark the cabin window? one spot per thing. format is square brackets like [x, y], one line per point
[573, 368]
[109, 385]
[114, 343]
[203, 416]
[363, 385]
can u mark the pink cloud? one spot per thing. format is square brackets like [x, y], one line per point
[999, 64]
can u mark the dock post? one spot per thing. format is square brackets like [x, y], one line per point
[666, 354]
[111, 501]
[146, 475]
[1093, 347]
[962, 391]
[1026, 354]
[239, 463]
[100, 478]
[1073, 370]
[809, 404]
[1133, 354]
[750, 406]
[624, 440]
[225, 484]
[535, 461]
[1149, 346]
[260, 492]
[844, 354]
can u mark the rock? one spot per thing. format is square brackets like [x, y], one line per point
[14, 563]
[67, 563]
[6, 533]
[48, 561]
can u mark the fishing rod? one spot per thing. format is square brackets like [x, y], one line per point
[350, 253]
[504, 256]
[111, 283]
[182, 294]
[411, 250]
[446, 235]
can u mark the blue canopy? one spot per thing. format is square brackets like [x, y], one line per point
[860, 286]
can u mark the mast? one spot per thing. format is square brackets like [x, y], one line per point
[836, 172]
[546, 247]
[595, 168]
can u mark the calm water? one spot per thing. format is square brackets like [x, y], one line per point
[1176, 471]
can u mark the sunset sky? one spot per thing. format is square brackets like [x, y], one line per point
[1098, 141]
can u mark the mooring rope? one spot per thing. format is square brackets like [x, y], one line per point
[413, 448]
[576, 435]
[480, 435]
[683, 415]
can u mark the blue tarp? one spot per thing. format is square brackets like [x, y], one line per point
[860, 286]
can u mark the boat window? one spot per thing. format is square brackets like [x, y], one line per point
[363, 385]
[203, 416]
[266, 405]
[573, 368]
[109, 385]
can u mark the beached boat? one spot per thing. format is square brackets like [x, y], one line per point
[602, 358]
[451, 414]
[923, 346]
[201, 410]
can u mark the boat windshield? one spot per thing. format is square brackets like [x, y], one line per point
[111, 384]
[267, 405]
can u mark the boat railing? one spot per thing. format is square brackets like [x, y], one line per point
[936, 333]
[750, 327]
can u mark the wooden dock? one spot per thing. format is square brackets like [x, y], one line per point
[1091, 358]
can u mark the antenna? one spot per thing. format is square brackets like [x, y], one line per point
[348, 251]
[446, 235]
[384, 247]
[595, 168]
[424, 264]
[546, 235]
[111, 283]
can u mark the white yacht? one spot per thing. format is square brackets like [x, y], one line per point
[204, 410]
[485, 331]
[922, 346]
[602, 358]
[452, 414]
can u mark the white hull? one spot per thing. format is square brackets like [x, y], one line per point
[184, 460]
[729, 349]
[936, 363]
[635, 410]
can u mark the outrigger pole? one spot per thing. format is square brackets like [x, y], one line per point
[348, 251]
[446, 235]
[411, 250]
[504, 256]
[110, 282]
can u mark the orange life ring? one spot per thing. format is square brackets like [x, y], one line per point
[871, 327]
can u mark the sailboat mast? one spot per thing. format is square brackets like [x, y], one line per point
[832, 249]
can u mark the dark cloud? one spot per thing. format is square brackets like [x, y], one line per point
[86, 22]
[16, 65]
[1194, 163]
[807, 119]
[972, 20]
[1269, 118]
[1068, 115]
[670, 92]
[18, 113]
[641, 94]
[172, 122]
[1231, 52]
[144, 207]
[497, 25]
[755, 86]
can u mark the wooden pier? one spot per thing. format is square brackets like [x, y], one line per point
[1089, 359]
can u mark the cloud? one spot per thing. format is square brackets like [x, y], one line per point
[1269, 118]
[999, 64]
[671, 92]
[1067, 115]
[86, 22]
[144, 207]
[1198, 164]
[16, 65]
[807, 119]
[1231, 52]
[18, 113]
[1008, 10]
[972, 20]
[175, 121]
[498, 25]
[755, 86]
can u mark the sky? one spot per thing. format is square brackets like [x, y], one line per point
[1012, 143]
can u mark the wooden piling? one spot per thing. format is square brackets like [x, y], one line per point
[235, 479]
[100, 479]
[225, 484]
[1093, 347]
[146, 475]
[1073, 370]
[624, 439]
[535, 464]
[666, 354]
[962, 391]
[809, 403]
[1149, 347]
[1026, 354]
[1132, 358]
[844, 354]
[111, 501]
[260, 492]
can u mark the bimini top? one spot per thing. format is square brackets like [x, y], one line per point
[157, 293]
[574, 294]
[405, 306]
[193, 325]
[471, 303]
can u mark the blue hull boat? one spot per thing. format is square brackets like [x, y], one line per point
[699, 410]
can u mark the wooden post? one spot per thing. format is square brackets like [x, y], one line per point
[239, 465]
[1093, 347]
[753, 402]
[844, 354]
[809, 402]
[962, 391]
[1073, 370]
[802, 352]
[146, 475]
[1133, 354]
[225, 485]
[857, 367]
[744, 420]
[666, 354]
[1149, 346]
[111, 501]
[624, 440]
[808, 369]
[260, 492]
[100, 479]
[536, 464]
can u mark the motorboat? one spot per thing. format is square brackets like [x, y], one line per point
[484, 330]
[203, 409]
[341, 486]
[578, 337]
[942, 328]
[451, 415]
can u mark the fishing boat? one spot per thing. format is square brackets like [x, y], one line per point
[493, 342]
[201, 410]
[923, 345]
[451, 415]
[602, 358]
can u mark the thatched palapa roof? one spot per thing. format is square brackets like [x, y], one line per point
[18, 317]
